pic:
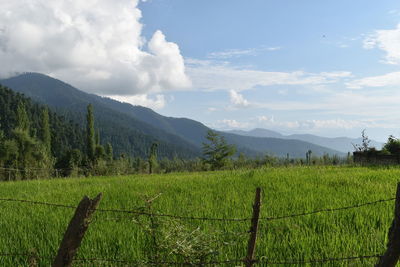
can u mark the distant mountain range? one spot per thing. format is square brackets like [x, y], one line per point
[131, 129]
[342, 144]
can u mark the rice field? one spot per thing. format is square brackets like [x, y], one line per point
[139, 240]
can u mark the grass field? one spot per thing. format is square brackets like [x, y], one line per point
[229, 194]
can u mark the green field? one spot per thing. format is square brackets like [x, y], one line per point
[225, 194]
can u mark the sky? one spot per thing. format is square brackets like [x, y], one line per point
[330, 68]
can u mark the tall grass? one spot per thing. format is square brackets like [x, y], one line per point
[225, 194]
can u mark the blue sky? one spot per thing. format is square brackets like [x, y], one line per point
[330, 68]
[312, 37]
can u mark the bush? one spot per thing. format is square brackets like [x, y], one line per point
[392, 145]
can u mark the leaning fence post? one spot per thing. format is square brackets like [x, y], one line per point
[251, 246]
[75, 231]
[392, 254]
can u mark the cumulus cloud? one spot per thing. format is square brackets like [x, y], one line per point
[96, 45]
[238, 100]
[386, 40]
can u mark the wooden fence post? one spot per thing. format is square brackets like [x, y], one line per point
[392, 254]
[251, 246]
[75, 231]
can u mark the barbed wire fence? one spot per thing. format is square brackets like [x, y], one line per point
[87, 207]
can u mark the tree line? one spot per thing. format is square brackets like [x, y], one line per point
[36, 142]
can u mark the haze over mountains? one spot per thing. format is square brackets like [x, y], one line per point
[342, 144]
[131, 129]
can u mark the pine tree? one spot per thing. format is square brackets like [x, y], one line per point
[22, 118]
[90, 135]
[45, 135]
[217, 151]
[97, 137]
[153, 158]
[109, 152]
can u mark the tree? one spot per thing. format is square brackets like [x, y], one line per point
[217, 152]
[100, 153]
[90, 135]
[308, 157]
[392, 145]
[22, 118]
[365, 143]
[45, 135]
[109, 152]
[153, 158]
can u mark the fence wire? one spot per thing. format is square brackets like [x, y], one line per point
[137, 211]
[169, 263]
[262, 260]
[293, 262]
[328, 210]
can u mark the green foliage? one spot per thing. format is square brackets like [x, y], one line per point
[22, 117]
[45, 134]
[217, 152]
[153, 164]
[365, 143]
[109, 152]
[18, 111]
[100, 153]
[308, 157]
[392, 145]
[9, 153]
[90, 135]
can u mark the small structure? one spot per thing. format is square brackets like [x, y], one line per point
[368, 158]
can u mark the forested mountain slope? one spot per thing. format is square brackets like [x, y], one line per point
[65, 134]
[129, 127]
[126, 134]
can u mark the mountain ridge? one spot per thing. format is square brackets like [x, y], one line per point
[343, 144]
[178, 132]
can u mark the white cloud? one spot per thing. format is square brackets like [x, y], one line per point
[238, 100]
[389, 79]
[234, 53]
[304, 125]
[388, 41]
[231, 53]
[209, 75]
[231, 124]
[157, 102]
[266, 119]
[94, 44]
[330, 124]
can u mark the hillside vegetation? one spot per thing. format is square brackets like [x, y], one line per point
[126, 134]
[224, 194]
[131, 129]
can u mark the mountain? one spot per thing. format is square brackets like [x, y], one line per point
[121, 121]
[343, 144]
[258, 132]
[126, 134]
